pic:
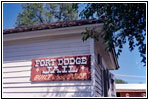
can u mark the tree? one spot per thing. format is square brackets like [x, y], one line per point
[119, 81]
[41, 13]
[122, 22]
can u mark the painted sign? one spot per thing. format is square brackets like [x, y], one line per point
[61, 68]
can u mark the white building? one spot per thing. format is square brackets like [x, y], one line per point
[24, 45]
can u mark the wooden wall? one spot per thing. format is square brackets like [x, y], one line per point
[99, 87]
[17, 56]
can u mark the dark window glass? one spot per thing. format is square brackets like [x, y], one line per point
[118, 94]
[99, 59]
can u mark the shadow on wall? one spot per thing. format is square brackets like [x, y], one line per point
[63, 89]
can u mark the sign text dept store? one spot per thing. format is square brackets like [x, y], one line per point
[61, 68]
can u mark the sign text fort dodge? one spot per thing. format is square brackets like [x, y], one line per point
[61, 68]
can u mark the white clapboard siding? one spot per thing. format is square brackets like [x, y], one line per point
[42, 42]
[18, 57]
[47, 45]
[98, 92]
[21, 73]
[45, 51]
[98, 80]
[98, 72]
[47, 89]
[61, 86]
[58, 54]
[16, 79]
[48, 83]
[15, 69]
[27, 49]
[46, 95]
[98, 84]
[12, 64]
[60, 48]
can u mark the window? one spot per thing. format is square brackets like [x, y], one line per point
[118, 94]
[99, 59]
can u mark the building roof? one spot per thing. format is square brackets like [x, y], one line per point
[54, 25]
[131, 87]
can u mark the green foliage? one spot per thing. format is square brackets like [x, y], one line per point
[122, 22]
[119, 81]
[40, 13]
[89, 33]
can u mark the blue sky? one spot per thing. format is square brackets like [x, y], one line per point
[10, 12]
[131, 69]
